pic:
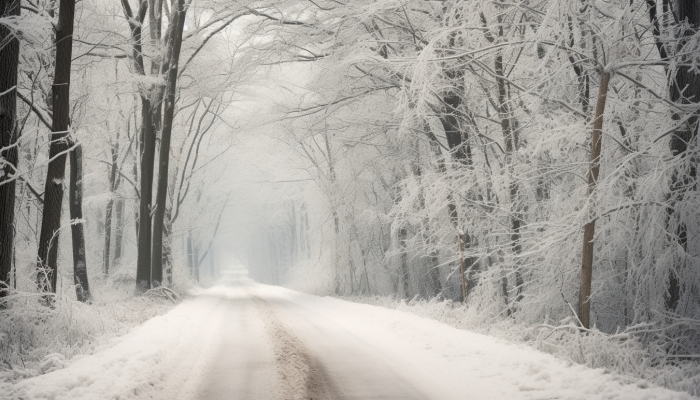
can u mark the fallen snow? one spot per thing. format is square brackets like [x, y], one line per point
[336, 348]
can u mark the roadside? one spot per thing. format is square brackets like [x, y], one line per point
[251, 341]
[621, 354]
[35, 339]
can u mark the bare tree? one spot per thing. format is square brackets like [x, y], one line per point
[584, 302]
[80, 275]
[672, 32]
[170, 69]
[47, 269]
[9, 61]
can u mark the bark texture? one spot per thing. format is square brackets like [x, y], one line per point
[143, 260]
[584, 301]
[118, 230]
[147, 149]
[110, 209]
[9, 60]
[684, 89]
[80, 276]
[60, 135]
[170, 67]
[405, 277]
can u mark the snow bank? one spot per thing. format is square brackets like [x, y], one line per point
[620, 354]
[35, 339]
[140, 364]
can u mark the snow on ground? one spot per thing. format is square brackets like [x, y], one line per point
[35, 339]
[252, 341]
[148, 357]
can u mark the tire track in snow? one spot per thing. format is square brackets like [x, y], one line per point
[302, 376]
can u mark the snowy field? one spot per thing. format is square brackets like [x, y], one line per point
[242, 340]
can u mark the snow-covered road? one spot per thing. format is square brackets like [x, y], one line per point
[241, 340]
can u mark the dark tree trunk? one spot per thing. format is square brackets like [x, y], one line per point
[170, 66]
[148, 135]
[147, 150]
[457, 134]
[457, 140]
[53, 189]
[684, 89]
[451, 208]
[9, 61]
[80, 276]
[584, 81]
[118, 230]
[156, 117]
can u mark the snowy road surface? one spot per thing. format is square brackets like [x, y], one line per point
[240, 340]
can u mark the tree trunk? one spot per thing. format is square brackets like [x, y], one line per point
[465, 159]
[147, 150]
[405, 277]
[168, 247]
[190, 262]
[137, 197]
[195, 259]
[108, 236]
[80, 276]
[510, 138]
[118, 230]
[461, 152]
[684, 89]
[9, 61]
[110, 208]
[171, 66]
[584, 304]
[432, 260]
[334, 207]
[53, 189]
[143, 261]
[457, 135]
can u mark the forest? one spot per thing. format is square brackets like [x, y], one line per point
[524, 167]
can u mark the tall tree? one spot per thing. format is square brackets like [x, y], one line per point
[684, 89]
[75, 195]
[59, 145]
[147, 147]
[584, 303]
[113, 186]
[170, 68]
[9, 61]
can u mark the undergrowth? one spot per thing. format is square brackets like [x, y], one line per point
[631, 354]
[36, 339]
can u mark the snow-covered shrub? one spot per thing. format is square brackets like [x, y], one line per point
[36, 339]
[624, 353]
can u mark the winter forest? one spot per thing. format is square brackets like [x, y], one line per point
[525, 169]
